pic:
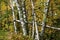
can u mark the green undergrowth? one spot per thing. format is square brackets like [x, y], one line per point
[5, 35]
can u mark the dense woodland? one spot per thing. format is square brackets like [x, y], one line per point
[29, 19]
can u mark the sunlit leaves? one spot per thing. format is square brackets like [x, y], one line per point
[52, 19]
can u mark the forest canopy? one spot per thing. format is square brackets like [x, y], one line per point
[29, 19]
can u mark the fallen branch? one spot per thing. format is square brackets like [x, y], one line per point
[53, 27]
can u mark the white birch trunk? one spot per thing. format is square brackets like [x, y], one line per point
[34, 23]
[44, 18]
[24, 16]
[32, 19]
[21, 18]
[12, 7]
[24, 11]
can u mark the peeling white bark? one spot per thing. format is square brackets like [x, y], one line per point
[24, 17]
[20, 16]
[21, 19]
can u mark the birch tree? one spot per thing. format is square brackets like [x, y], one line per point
[20, 17]
[44, 18]
[12, 7]
[24, 15]
[34, 22]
